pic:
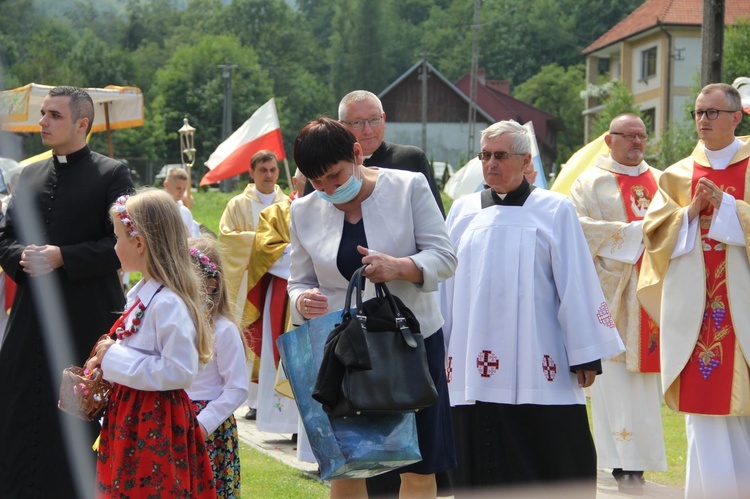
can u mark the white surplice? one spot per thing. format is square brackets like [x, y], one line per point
[525, 303]
[276, 413]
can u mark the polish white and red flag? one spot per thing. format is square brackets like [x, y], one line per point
[232, 157]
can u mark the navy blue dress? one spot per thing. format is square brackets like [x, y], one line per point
[434, 424]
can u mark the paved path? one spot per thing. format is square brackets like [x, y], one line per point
[282, 447]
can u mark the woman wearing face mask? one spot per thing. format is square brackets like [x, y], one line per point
[388, 220]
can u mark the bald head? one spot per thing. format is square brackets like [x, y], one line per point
[626, 139]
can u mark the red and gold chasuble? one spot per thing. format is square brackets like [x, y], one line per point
[278, 307]
[706, 379]
[636, 193]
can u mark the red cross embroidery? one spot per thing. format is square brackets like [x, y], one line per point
[449, 370]
[549, 367]
[487, 363]
[605, 318]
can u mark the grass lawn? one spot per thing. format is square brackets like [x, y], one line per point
[210, 205]
[675, 443]
[264, 476]
[207, 210]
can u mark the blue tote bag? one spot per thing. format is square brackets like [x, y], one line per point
[346, 447]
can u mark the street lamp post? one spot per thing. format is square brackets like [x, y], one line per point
[187, 150]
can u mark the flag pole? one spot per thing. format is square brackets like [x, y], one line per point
[288, 176]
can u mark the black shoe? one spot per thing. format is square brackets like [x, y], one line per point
[251, 413]
[631, 484]
[294, 438]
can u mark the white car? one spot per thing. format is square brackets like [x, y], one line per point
[440, 167]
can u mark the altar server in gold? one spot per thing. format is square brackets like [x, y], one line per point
[696, 279]
[237, 232]
[267, 313]
[611, 199]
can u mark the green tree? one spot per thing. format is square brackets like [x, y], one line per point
[447, 34]
[299, 76]
[737, 59]
[41, 52]
[191, 83]
[593, 19]
[618, 100]
[675, 143]
[93, 63]
[519, 38]
[557, 90]
[357, 52]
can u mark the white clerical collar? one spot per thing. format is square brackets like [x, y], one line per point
[367, 157]
[632, 171]
[73, 157]
[720, 159]
[266, 199]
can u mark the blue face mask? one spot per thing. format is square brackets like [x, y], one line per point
[345, 192]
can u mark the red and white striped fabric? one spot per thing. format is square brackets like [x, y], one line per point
[232, 157]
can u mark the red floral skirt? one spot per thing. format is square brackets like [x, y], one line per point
[151, 446]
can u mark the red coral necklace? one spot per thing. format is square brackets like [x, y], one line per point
[135, 324]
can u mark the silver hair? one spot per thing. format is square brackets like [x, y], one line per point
[357, 96]
[521, 138]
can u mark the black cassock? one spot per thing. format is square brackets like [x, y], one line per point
[407, 158]
[64, 204]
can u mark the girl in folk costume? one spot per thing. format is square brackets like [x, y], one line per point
[221, 387]
[151, 444]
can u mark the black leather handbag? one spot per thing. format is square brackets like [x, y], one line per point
[375, 360]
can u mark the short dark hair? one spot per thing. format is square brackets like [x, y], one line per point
[81, 103]
[261, 157]
[731, 94]
[321, 144]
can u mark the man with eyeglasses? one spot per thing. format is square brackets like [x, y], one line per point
[695, 279]
[611, 199]
[526, 327]
[361, 112]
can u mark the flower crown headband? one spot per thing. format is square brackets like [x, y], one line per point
[208, 268]
[122, 213]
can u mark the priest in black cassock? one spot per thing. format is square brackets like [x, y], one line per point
[526, 327]
[361, 112]
[58, 245]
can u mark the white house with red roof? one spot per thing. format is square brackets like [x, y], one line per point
[656, 53]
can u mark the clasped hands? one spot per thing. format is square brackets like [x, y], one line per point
[40, 260]
[706, 192]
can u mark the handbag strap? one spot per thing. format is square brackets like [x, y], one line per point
[358, 282]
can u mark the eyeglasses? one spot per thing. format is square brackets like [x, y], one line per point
[358, 124]
[711, 114]
[631, 136]
[499, 155]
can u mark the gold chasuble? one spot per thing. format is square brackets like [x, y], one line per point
[609, 200]
[636, 194]
[271, 239]
[705, 322]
